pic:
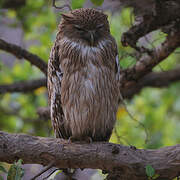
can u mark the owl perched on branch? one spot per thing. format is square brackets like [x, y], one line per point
[83, 76]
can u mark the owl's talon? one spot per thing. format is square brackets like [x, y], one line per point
[84, 139]
[72, 139]
[88, 140]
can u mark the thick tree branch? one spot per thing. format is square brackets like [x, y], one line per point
[129, 162]
[22, 53]
[23, 86]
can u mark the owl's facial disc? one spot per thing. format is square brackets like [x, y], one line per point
[88, 35]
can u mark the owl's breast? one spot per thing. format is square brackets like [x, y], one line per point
[89, 92]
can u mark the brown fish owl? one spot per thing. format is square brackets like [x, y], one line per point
[83, 75]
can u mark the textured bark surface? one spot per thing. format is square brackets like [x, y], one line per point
[126, 161]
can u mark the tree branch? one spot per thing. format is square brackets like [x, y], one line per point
[154, 79]
[22, 53]
[127, 161]
[23, 86]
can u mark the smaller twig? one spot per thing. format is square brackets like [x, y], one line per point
[134, 119]
[61, 7]
[44, 170]
[50, 173]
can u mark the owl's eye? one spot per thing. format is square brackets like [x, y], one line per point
[99, 26]
[79, 28]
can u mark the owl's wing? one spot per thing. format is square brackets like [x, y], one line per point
[117, 65]
[54, 92]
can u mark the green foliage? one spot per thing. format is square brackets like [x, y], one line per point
[77, 4]
[97, 2]
[15, 171]
[150, 172]
[3, 169]
[2, 3]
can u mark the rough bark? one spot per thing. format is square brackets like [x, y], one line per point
[123, 160]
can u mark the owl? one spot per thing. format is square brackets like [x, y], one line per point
[83, 77]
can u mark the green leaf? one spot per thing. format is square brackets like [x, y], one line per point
[3, 169]
[19, 163]
[97, 2]
[16, 172]
[150, 171]
[155, 176]
[11, 172]
[77, 4]
[1, 178]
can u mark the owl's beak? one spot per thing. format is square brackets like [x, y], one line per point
[91, 37]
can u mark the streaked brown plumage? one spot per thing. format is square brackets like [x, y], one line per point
[83, 75]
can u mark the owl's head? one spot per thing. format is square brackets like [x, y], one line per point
[86, 25]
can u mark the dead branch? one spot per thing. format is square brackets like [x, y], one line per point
[23, 86]
[22, 53]
[126, 161]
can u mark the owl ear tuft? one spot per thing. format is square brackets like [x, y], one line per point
[67, 16]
